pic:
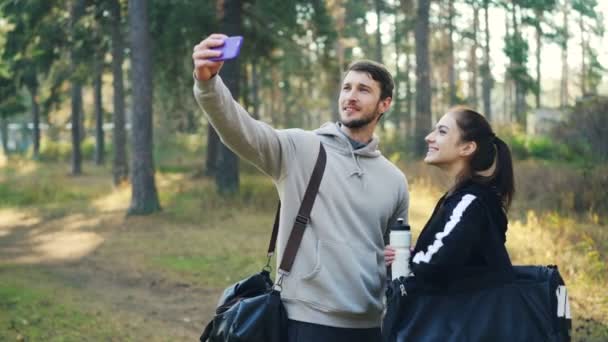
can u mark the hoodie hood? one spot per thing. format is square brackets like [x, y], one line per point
[340, 142]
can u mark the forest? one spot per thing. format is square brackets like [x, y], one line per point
[123, 216]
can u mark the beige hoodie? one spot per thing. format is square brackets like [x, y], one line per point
[338, 275]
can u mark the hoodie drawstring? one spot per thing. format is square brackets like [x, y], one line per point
[359, 171]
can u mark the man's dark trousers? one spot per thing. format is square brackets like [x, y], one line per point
[308, 332]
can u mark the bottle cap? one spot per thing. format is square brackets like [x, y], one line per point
[400, 225]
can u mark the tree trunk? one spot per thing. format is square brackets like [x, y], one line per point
[213, 141]
[473, 58]
[396, 107]
[144, 198]
[255, 86]
[35, 121]
[378, 34]
[539, 46]
[4, 134]
[583, 57]
[227, 175]
[120, 166]
[520, 110]
[76, 116]
[564, 95]
[99, 135]
[76, 11]
[451, 72]
[487, 82]
[423, 80]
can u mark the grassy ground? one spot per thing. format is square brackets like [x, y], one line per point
[74, 268]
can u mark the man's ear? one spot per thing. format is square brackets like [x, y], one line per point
[384, 105]
[468, 148]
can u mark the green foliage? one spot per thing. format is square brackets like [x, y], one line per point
[62, 150]
[584, 131]
[516, 48]
[541, 148]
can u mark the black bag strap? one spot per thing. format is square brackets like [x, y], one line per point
[303, 217]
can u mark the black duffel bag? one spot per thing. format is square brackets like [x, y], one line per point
[512, 304]
[248, 311]
[251, 310]
[528, 304]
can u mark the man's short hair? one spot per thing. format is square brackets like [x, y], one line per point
[378, 72]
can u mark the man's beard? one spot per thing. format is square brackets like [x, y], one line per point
[360, 123]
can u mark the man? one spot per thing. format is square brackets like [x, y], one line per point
[335, 288]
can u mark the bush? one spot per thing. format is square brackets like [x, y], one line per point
[584, 131]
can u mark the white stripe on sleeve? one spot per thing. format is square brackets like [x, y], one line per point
[449, 226]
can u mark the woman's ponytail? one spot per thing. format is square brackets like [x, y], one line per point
[503, 177]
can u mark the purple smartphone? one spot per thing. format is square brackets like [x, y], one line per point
[230, 49]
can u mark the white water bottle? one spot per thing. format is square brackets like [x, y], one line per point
[400, 240]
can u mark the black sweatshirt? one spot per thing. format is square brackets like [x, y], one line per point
[456, 241]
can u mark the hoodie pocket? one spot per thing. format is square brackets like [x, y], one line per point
[343, 279]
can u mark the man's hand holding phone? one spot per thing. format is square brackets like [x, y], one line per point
[208, 55]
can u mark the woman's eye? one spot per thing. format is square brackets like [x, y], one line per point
[442, 132]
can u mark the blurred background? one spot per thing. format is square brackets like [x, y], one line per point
[122, 216]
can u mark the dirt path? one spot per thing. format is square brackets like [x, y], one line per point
[64, 250]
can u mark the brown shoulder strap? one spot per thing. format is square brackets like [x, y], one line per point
[301, 221]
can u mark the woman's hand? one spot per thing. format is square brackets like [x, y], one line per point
[389, 255]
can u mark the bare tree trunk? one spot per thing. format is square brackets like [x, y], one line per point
[120, 166]
[583, 57]
[35, 120]
[76, 116]
[255, 86]
[396, 107]
[213, 141]
[473, 58]
[76, 11]
[423, 83]
[539, 45]
[564, 94]
[487, 82]
[378, 34]
[99, 135]
[451, 72]
[227, 175]
[4, 134]
[144, 197]
[520, 99]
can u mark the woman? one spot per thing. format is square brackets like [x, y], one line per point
[470, 219]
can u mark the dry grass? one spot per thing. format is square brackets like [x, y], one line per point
[166, 270]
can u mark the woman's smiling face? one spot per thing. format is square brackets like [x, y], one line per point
[445, 147]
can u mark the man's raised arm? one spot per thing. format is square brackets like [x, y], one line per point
[254, 141]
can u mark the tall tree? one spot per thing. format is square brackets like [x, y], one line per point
[423, 80]
[516, 48]
[98, 106]
[76, 11]
[120, 166]
[227, 175]
[452, 97]
[564, 94]
[473, 65]
[32, 46]
[538, 20]
[487, 82]
[378, 7]
[591, 22]
[144, 198]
